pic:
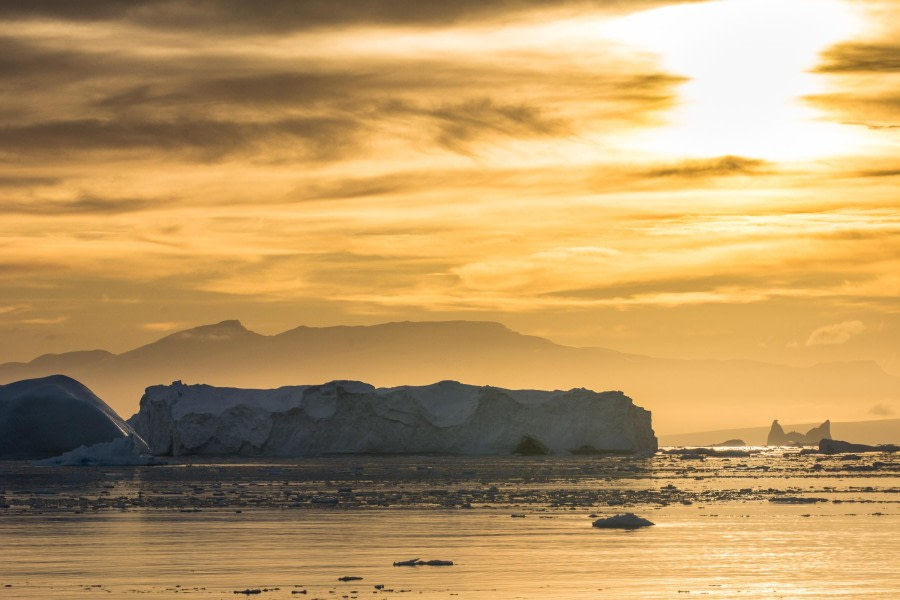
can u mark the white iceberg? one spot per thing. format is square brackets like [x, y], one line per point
[131, 450]
[355, 417]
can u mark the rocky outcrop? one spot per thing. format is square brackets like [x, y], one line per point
[355, 417]
[777, 436]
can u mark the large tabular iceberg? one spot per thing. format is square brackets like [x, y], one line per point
[48, 416]
[355, 417]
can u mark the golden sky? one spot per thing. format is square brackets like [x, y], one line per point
[699, 179]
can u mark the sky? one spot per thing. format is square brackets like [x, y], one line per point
[696, 180]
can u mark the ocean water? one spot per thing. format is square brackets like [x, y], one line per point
[774, 524]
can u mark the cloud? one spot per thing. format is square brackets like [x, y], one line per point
[163, 325]
[660, 284]
[712, 167]
[14, 181]
[84, 205]
[877, 172]
[196, 114]
[832, 335]
[44, 320]
[275, 87]
[865, 75]
[462, 123]
[21, 59]
[861, 58]
[12, 308]
[235, 16]
[882, 410]
[319, 138]
[119, 82]
[868, 106]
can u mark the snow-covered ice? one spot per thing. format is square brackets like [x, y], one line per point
[355, 417]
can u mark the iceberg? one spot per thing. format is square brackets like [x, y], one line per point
[354, 417]
[624, 521]
[841, 447]
[127, 451]
[777, 436]
[44, 417]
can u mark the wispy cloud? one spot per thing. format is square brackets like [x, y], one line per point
[311, 138]
[714, 167]
[12, 308]
[44, 320]
[838, 333]
[163, 326]
[84, 205]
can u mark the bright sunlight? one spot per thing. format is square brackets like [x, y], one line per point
[747, 76]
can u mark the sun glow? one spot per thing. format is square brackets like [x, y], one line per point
[747, 76]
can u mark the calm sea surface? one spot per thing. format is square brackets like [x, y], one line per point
[774, 524]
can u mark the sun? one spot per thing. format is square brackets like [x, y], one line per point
[748, 66]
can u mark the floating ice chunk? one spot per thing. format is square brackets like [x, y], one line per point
[131, 450]
[417, 562]
[624, 521]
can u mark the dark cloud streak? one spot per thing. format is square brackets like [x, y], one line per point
[861, 58]
[377, 84]
[279, 16]
[460, 124]
[323, 138]
[85, 205]
[16, 181]
[713, 167]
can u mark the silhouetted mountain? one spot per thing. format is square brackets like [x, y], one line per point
[684, 395]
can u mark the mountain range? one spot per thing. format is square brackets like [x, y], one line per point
[684, 395]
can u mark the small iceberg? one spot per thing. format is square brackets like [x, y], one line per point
[416, 562]
[127, 451]
[625, 521]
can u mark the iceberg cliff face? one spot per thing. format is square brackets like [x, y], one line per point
[355, 417]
